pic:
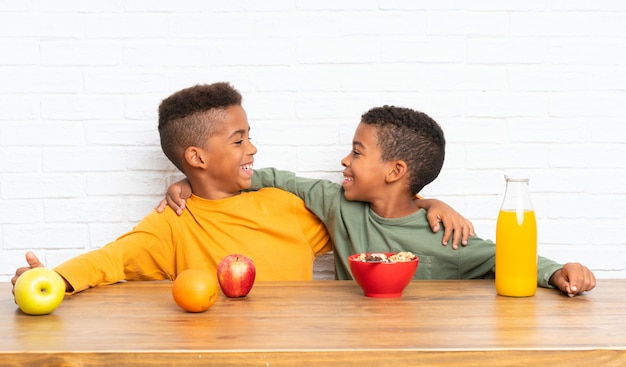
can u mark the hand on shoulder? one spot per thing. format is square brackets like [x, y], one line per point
[175, 197]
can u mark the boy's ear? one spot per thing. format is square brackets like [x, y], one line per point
[195, 157]
[398, 169]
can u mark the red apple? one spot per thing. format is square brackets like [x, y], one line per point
[236, 274]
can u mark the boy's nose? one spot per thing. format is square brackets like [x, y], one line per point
[252, 149]
[344, 161]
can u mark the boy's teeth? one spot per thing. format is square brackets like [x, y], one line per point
[247, 167]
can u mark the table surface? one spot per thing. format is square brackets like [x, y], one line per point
[447, 323]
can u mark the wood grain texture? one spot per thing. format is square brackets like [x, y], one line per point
[446, 323]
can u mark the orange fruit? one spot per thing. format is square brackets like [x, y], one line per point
[195, 290]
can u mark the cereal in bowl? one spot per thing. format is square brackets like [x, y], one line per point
[383, 258]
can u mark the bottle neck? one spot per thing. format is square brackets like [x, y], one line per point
[517, 196]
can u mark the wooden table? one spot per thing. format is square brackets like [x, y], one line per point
[448, 323]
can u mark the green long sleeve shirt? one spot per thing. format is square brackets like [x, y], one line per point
[355, 228]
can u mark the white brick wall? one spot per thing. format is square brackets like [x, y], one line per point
[537, 85]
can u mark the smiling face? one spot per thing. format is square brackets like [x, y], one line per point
[227, 157]
[365, 170]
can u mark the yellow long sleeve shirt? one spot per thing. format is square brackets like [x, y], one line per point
[270, 226]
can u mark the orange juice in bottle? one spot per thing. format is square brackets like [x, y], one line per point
[516, 241]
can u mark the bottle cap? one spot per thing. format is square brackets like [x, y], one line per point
[516, 176]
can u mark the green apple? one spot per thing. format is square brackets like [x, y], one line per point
[39, 291]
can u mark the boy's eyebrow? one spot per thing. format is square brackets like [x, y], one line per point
[238, 132]
[357, 143]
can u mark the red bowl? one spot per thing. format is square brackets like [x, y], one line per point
[382, 280]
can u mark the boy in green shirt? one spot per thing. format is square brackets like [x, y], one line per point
[395, 153]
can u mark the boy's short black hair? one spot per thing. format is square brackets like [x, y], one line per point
[411, 136]
[183, 121]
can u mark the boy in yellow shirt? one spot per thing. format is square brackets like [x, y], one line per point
[204, 131]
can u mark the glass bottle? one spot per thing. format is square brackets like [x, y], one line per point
[516, 241]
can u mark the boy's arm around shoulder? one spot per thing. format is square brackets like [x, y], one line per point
[180, 191]
[320, 196]
[308, 189]
[272, 177]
